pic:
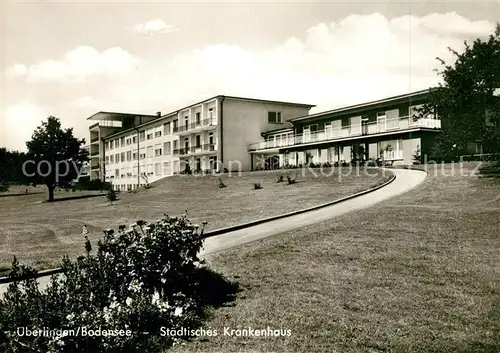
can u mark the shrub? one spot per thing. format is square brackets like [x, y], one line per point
[257, 186]
[141, 279]
[111, 195]
[187, 170]
[84, 183]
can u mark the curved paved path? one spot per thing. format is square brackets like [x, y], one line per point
[405, 181]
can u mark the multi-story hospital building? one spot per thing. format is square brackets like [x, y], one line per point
[235, 133]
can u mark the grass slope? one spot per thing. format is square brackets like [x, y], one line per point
[41, 233]
[417, 273]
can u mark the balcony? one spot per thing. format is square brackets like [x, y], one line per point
[95, 139]
[94, 154]
[332, 134]
[180, 151]
[194, 150]
[204, 124]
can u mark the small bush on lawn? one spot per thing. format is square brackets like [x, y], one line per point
[140, 279]
[111, 195]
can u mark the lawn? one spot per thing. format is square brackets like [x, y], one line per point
[417, 273]
[40, 233]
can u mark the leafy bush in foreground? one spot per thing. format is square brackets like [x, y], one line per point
[140, 279]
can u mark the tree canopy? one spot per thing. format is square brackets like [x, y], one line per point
[467, 99]
[55, 157]
[10, 167]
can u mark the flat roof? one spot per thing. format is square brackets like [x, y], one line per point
[363, 105]
[97, 115]
[269, 101]
[101, 114]
[109, 115]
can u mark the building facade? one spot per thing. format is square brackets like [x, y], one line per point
[226, 133]
[387, 129]
[132, 150]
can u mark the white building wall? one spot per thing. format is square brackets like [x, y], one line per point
[154, 165]
[243, 123]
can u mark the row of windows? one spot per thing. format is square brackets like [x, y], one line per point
[131, 155]
[400, 113]
[158, 151]
[168, 128]
[168, 169]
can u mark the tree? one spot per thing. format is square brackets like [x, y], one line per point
[357, 153]
[55, 156]
[4, 165]
[10, 167]
[111, 195]
[466, 101]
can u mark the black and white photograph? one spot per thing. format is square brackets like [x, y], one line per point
[249, 176]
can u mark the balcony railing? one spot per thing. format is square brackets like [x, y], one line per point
[331, 134]
[95, 139]
[195, 125]
[195, 149]
[94, 154]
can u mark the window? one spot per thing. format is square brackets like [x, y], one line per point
[404, 112]
[129, 142]
[129, 155]
[174, 123]
[142, 156]
[107, 146]
[158, 169]
[166, 168]
[149, 136]
[346, 122]
[210, 114]
[158, 152]
[198, 141]
[150, 151]
[198, 118]
[158, 134]
[111, 159]
[176, 145]
[167, 148]
[134, 139]
[134, 156]
[166, 129]
[122, 141]
[106, 159]
[122, 157]
[274, 118]
[211, 138]
[142, 135]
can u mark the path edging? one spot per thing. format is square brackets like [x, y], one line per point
[293, 213]
[53, 271]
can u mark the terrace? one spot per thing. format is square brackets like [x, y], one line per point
[380, 127]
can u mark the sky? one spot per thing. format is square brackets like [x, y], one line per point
[71, 59]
